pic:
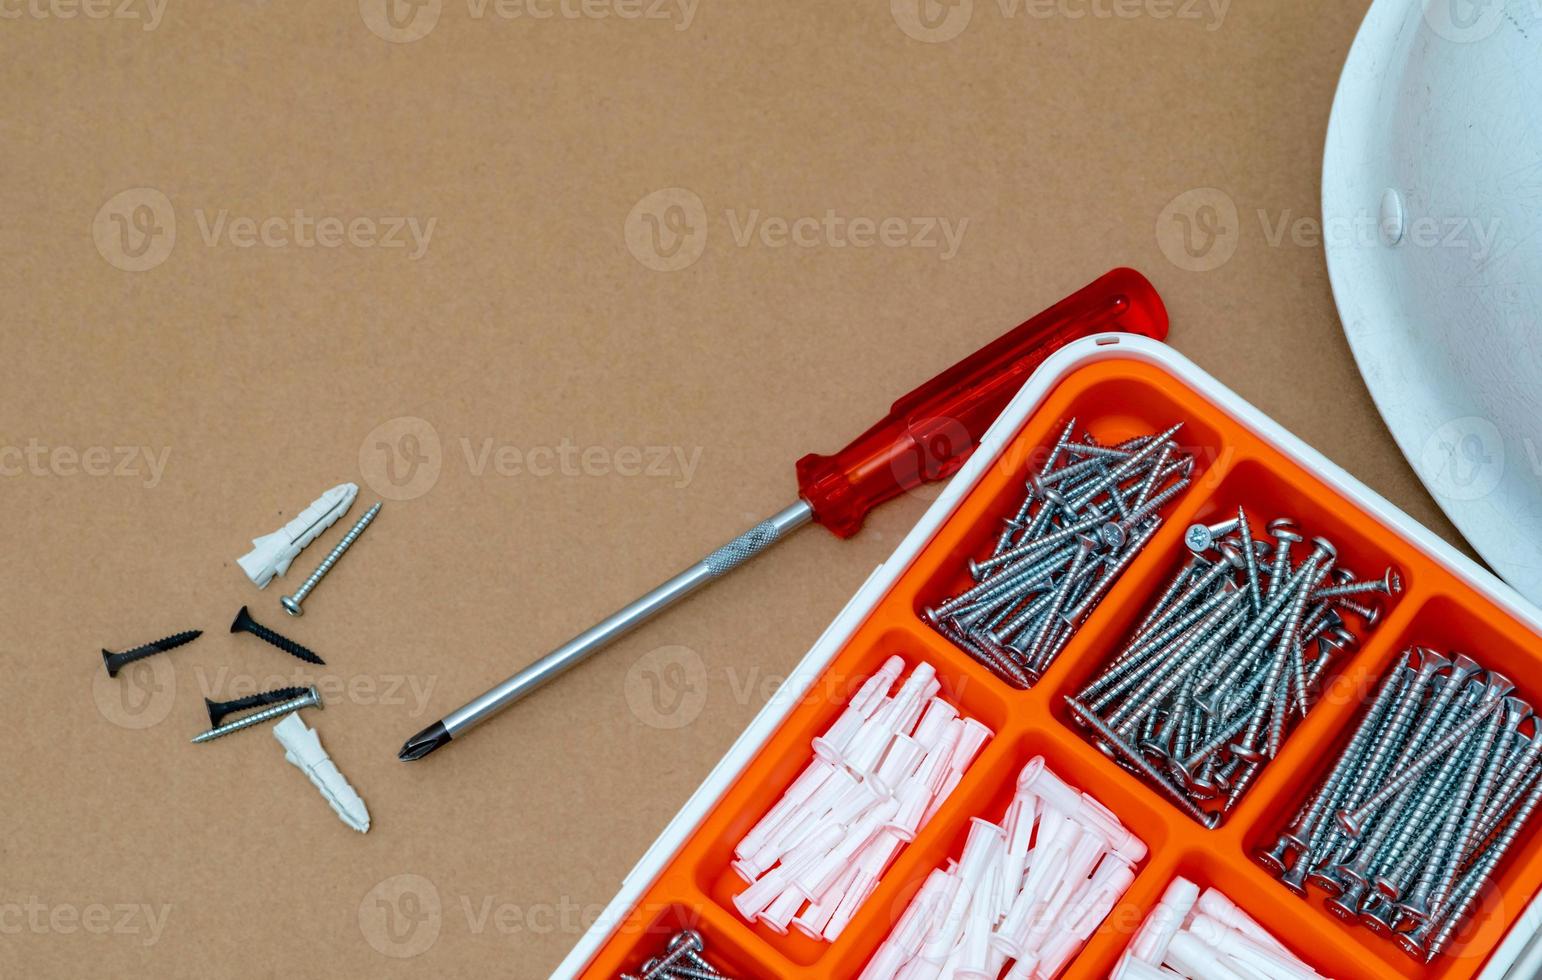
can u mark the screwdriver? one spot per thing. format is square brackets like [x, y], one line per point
[927, 435]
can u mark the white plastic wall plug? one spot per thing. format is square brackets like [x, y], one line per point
[302, 748]
[858, 800]
[779, 913]
[1088, 812]
[1058, 911]
[886, 963]
[1121, 840]
[1258, 958]
[812, 920]
[896, 715]
[824, 872]
[756, 898]
[921, 969]
[829, 745]
[933, 721]
[873, 783]
[876, 688]
[867, 746]
[1037, 779]
[1048, 874]
[920, 917]
[793, 834]
[916, 793]
[870, 864]
[973, 738]
[974, 954]
[950, 925]
[1132, 968]
[1092, 907]
[786, 808]
[1057, 833]
[897, 765]
[1112, 879]
[1192, 958]
[1022, 967]
[911, 711]
[1218, 906]
[272, 554]
[981, 849]
[861, 887]
[1150, 943]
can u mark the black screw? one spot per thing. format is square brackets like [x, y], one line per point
[117, 661]
[219, 709]
[245, 623]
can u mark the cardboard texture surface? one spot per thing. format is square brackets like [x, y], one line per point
[539, 283]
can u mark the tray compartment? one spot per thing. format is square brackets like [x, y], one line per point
[790, 753]
[988, 798]
[1447, 623]
[1267, 489]
[1113, 406]
[648, 933]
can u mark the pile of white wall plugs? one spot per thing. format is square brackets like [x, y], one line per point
[1206, 937]
[879, 773]
[1028, 892]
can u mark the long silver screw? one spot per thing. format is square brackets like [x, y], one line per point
[310, 699]
[291, 603]
[1492, 698]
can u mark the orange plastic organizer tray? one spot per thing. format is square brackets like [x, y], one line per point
[1115, 399]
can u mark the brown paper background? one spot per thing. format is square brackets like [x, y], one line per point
[262, 371]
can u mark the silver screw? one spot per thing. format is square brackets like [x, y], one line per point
[1284, 532]
[291, 603]
[1493, 695]
[310, 699]
[1389, 584]
[681, 945]
[1113, 744]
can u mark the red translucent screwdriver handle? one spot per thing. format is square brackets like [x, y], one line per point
[929, 433]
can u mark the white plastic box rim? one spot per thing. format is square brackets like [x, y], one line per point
[1027, 401]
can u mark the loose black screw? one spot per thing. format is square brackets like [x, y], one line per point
[219, 709]
[245, 623]
[117, 661]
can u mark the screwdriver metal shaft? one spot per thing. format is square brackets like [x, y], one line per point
[722, 561]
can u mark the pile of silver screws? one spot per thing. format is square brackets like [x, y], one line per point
[1433, 788]
[1226, 662]
[1089, 511]
[684, 959]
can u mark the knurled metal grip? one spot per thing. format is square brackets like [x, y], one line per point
[741, 549]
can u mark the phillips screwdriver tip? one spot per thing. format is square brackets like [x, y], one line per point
[424, 742]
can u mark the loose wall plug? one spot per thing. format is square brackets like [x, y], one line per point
[271, 554]
[302, 748]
